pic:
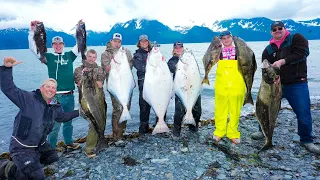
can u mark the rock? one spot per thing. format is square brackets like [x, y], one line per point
[160, 161]
[200, 171]
[304, 174]
[276, 177]
[169, 176]
[120, 143]
[221, 176]
[83, 164]
[296, 138]
[234, 172]
[184, 149]
[310, 177]
[287, 177]
[174, 152]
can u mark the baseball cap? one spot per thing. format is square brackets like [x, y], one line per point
[224, 33]
[57, 39]
[177, 44]
[47, 81]
[277, 23]
[143, 37]
[117, 36]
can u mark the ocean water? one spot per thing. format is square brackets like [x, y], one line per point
[30, 74]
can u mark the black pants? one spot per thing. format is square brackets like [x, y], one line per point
[144, 110]
[180, 111]
[28, 163]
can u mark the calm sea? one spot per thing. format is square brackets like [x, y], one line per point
[31, 73]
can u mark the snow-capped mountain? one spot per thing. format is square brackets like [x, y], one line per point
[253, 29]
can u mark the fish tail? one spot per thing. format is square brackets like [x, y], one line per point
[267, 145]
[188, 118]
[248, 99]
[206, 80]
[102, 143]
[125, 115]
[161, 127]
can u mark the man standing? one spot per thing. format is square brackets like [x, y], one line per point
[29, 148]
[289, 52]
[106, 57]
[60, 68]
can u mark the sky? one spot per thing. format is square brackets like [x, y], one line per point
[101, 15]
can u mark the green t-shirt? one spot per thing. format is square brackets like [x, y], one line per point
[60, 68]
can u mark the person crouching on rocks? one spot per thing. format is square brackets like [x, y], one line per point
[180, 110]
[29, 149]
[99, 76]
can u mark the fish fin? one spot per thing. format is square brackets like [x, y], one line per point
[161, 127]
[188, 118]
[102, 144]
[125, 115]
[267, 145]
[248, 99]
[206, 81]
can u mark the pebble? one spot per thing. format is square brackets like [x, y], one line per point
[221, 176]
[169, 176]
[296, 138]
[276, 177]
[184, 149]
[159, 160]
[287, 177]
[159, 157]
[304, 174]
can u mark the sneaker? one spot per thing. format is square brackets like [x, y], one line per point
[235, 140]
[312, 148]
[90, 154]
[73, 146]
[257, 135]
[3, 164]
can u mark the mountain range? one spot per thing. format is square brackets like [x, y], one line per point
[253, 29]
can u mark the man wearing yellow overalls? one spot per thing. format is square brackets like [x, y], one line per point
[230, 90]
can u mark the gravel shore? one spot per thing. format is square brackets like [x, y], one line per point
[195, 156]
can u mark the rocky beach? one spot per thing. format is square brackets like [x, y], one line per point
[195, 156]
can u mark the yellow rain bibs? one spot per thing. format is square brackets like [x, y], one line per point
[230, 90]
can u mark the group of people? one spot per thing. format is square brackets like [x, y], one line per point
[36, 127]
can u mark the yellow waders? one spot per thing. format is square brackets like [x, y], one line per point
[230, 90]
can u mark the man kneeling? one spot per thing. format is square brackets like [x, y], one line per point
[29, 149]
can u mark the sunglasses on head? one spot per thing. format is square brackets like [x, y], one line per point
[275, 29]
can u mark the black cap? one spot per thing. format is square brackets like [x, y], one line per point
[224, 33]
[177, 44]
[277, 23]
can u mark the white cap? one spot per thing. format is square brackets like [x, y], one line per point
[117, 36]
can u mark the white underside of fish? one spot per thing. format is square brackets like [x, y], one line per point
[121, 82]
[187, 84]
[157, 88]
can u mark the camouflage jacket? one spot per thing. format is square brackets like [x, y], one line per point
[98, 72]
[107, 55]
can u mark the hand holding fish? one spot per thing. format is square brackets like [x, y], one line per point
[33, 25]
[10, 62]
[279, 63]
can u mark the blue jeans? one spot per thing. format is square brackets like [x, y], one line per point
[67, 102]
[299, 99]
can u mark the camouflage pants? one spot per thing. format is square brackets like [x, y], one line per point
[118, 129]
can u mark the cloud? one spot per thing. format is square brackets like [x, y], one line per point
[101, 15]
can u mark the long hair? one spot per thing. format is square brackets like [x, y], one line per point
[149, 44]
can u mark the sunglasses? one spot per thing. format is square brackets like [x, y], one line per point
[275, 29]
